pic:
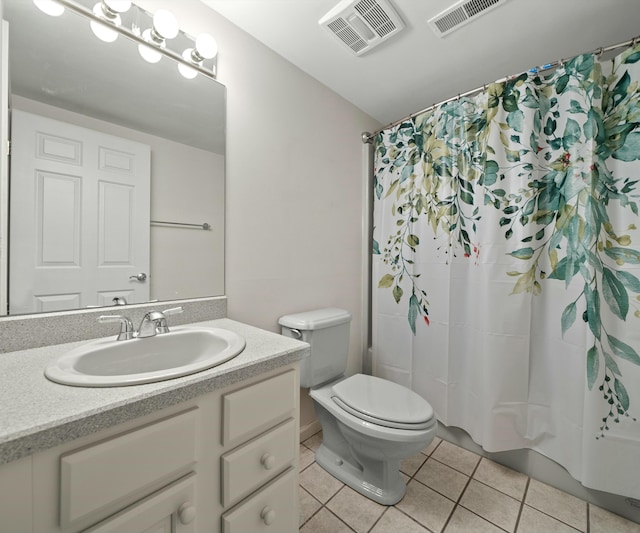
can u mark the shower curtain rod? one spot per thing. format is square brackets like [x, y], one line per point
[367, 138]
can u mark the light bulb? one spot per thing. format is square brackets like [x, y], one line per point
[147, 52]
[206, 46]
[50, 7]
[119, 6]
[165, 24]
[187, 71]
[100, 30]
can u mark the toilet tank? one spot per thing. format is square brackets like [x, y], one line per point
[327, 331]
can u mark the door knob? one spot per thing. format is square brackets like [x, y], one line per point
[139, 277]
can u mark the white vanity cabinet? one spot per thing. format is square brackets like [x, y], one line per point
[224, 461]
[258, 476]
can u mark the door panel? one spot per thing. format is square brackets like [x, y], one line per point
[82, 229]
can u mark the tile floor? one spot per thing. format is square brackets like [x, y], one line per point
[449, 490]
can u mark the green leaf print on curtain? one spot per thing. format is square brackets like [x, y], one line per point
[551, 163]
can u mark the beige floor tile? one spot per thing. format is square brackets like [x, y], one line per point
[492, 505]
[357, 511]
[601, 521]
[411, 464]
[325, 522]
[319, 483]
[307, 457]
[464, 521]
[308, 505]
[426, 506]
[442, 478]
[533, 521]
[456, 457]
[393, 521]
[558, 504]
[432, 446]
[314, 441]
[502, 478]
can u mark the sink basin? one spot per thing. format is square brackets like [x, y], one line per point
[112, 363]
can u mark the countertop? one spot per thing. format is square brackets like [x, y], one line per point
[36, 414]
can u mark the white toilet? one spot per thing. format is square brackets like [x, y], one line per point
[369, 424]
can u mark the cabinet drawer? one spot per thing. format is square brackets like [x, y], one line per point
[251, 410]
[105, 477]
[272, 509]
[171, 509]
[249, 466]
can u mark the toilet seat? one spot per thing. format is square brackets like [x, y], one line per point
[382, 402]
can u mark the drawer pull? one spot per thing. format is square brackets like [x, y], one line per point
[268, 461]
[186, 513]
[268, 515]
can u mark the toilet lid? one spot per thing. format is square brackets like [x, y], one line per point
[382, 401]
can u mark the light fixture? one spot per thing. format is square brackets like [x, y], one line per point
[205, 47]
[165, 26]
[50, 7]
[107, 22]
[109, 11]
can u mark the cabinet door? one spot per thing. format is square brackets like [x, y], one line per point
[169, 510]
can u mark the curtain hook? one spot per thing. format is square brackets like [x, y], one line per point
[599, 51]
[458, 99]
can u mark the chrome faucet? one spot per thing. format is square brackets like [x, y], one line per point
[126, 327]
[153, 323]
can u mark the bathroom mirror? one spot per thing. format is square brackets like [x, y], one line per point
[62, 76]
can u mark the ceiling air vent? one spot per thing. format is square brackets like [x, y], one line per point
[362, 24]
[461, 13]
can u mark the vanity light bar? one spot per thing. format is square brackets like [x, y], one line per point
[83, 11]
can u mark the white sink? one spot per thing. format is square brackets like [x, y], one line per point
[111, 363]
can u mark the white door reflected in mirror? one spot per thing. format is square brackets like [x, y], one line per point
[82, 235]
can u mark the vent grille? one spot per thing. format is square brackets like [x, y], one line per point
[461, 13]
[362, 24]
[475, 7]
[451, 20]
[377, 17]
[348, 36]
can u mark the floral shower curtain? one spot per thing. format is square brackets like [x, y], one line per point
[506, 270]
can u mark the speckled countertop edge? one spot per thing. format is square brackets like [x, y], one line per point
[37, 414]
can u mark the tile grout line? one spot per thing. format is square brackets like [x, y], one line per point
[466, 486]
[315, 512]
[524, 497]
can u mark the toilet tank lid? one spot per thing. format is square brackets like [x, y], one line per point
[317, 319]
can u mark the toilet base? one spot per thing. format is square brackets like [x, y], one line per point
[351, 475]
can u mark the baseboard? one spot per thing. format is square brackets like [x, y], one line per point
[309, 430]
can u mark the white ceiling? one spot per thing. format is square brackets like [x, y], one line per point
[415, 68]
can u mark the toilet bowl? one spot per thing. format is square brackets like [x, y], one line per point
[362, 448]
[369, 424]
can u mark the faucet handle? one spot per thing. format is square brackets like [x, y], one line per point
[162, 325]
[126, 327]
